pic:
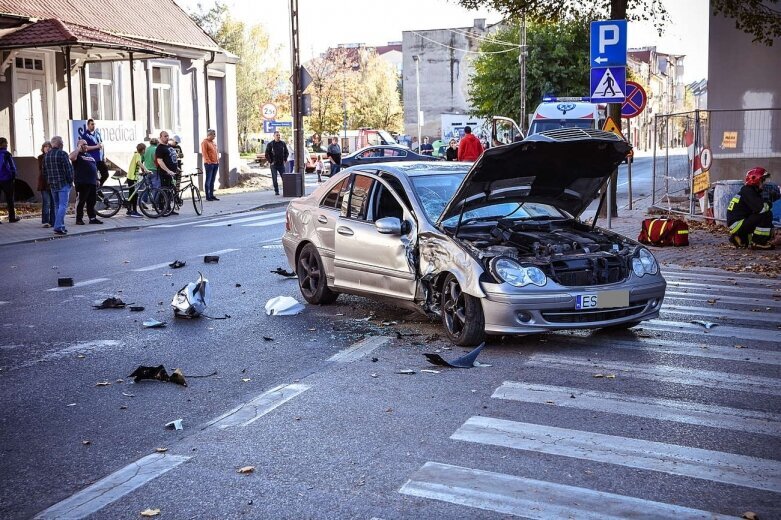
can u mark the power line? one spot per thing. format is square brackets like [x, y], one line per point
[484, 38]
[464, 50]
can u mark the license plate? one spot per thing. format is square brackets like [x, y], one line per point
[602, 300]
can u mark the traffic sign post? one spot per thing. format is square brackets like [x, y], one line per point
[268, 111]
[608, 43]
[270, 127]
[636, 99]
[608, 84]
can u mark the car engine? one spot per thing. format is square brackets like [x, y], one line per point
[568, 251]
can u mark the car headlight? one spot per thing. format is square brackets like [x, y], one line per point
[644, 263]
[510, 271]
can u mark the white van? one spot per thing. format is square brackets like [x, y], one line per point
[555, 113]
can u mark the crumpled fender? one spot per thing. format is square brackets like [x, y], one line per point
[438, 253]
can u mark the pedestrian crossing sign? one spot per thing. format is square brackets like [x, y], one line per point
[608, 85]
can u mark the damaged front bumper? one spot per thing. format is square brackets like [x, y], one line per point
[510, 311]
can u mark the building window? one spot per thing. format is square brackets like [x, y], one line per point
[100, 86]
[29, 64]
[162, 98]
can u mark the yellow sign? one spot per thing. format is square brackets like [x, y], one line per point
[729, 140]
[611, 126]
[701, 182]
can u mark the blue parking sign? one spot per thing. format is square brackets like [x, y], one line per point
[608, 43]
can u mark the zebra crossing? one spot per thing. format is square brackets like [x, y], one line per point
[725, 380]
[263, 218]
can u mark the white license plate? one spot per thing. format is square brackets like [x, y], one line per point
[602, 300]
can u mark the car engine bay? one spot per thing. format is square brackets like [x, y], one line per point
[567, 250]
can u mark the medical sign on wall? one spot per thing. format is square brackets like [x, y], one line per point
[116, 136]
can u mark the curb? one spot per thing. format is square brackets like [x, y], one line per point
[270, 205]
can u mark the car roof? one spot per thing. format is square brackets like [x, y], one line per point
[420, 168]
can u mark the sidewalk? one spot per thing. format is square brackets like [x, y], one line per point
[29, 229]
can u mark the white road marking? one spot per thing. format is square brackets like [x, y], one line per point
[4, 303]
[265, 216]
[700, 297]
[660, 409]
[79, 284]
[715, 290]
[722, 331]
[535, 499]
[359, 349]
[662, 373]
[266, 223]
[718, 312]
[78, 348]
[249, 412]
[163, 265]
[715, 466]
[113, 487]
[693, 276]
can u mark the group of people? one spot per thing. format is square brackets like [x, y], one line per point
[469, 148]
[277, 154]
[85, 169]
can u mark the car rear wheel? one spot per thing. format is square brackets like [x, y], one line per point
[311, 277]
[462, 314]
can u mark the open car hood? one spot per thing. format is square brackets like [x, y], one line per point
[564, 168]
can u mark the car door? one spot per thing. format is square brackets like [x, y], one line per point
[394, 154]
[365, 259]
[327, 214]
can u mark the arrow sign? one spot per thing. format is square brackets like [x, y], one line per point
[608, 43]
[600, 60]
[635, 100]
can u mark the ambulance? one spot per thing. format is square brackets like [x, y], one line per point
[575, 112]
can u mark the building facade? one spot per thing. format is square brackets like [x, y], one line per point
[145, 67]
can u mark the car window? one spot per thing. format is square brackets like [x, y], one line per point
[384, 204]
[359, 198]
[392, 152]
[332, 198]
[397, 187]
[370, 153]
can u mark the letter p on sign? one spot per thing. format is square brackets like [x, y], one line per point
[604, 39]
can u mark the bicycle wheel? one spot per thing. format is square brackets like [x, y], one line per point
[168, 203]
[108, 201]
[195, 193]
[152, 202]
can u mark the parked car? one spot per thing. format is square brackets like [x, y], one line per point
[490, 248]
[383, 154]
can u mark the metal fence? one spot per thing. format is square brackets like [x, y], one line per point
[734, 139]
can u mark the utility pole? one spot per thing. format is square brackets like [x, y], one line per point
[344, 101]
[522, 62]
[416, 58]
[298, 118]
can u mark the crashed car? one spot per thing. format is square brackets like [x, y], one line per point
[490, 248]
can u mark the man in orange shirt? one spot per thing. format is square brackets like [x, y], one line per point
[210, 162]
[469, 149]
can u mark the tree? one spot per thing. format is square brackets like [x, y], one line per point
[754, 17]
[258, 72]
[378, 104]
[557, 63]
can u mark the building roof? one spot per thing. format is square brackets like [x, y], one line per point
[382, 49]
[146, 20]
[53, 32]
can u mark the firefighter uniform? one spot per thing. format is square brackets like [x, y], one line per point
[749, 218]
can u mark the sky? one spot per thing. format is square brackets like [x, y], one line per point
[329, 23]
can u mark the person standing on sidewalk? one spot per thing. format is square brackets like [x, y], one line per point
[469, 149]
[165, 160]
[7, 178]
[85, 174]
[211, 162]
[95, 149]
[335, 154]
[59, 174]
[426, 148]
[276, 155]
[749, 217]
[136, 165]
[47, 201]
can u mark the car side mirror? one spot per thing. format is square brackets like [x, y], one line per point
[388, 226]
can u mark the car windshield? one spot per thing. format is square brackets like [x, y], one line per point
[555, 124]
[435, 191]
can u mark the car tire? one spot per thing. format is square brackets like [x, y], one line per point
[462, 314]
[311, 277]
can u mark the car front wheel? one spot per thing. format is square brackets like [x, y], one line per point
[311, 277]
[462, 314]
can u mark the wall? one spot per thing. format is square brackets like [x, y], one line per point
[743, 75]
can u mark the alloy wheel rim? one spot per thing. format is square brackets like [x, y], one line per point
[308, 274]
[454, 308]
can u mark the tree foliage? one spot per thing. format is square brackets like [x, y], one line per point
[557, 63]
[355, 81]
[754, 17]
[258, 72]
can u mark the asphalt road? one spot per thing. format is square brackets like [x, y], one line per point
[680, 421]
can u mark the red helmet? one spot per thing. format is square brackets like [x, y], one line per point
[755, 176]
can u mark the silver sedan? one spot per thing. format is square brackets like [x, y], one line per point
[490, 248]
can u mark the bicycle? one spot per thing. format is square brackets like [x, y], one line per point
[176, 192]
[152, 201]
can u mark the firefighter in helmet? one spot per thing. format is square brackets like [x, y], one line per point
[749, 217]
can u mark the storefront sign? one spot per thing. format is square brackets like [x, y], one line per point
[116, 136]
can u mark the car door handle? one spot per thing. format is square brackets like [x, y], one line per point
[322, 219]
[342, 230]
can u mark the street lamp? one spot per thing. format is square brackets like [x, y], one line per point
[344, 100]
[416, 59]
